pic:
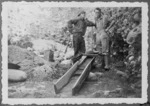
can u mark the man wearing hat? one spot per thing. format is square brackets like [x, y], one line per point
[78, 28]
[102, 38]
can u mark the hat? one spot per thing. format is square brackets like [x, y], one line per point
[100, 11]
[82, 12]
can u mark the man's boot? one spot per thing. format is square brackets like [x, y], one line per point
[106, 59]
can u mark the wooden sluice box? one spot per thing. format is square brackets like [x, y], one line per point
[75, 76]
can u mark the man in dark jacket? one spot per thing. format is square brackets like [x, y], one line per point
[78, 28]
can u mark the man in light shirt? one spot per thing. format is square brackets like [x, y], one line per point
[102, 38]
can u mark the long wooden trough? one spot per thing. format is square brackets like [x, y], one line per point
[66, 77]
[80, 68]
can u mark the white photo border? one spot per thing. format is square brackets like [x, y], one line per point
[12, 101]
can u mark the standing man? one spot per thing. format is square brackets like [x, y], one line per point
[78, 28]
[102, 38]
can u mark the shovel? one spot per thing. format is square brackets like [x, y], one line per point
[66, 47]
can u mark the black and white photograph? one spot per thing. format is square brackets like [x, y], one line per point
[74, 52]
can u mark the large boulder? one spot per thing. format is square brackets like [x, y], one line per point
[16, 75]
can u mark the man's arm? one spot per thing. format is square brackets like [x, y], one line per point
[89, 23]
[70, 23]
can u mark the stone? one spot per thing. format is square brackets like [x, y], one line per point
[117, 90]
[29, 49]
[92, 77]
[121, 73]
[99, 74]
[36, 52]
[139, 59]
[137, 17]
[66, 62]
[132, 63]
[101, 93]
[27, 44]
[69, 54]
[131, 58]
[133, 35]
[16, 75]
[38, 61]
[106, 93]
[125, 21]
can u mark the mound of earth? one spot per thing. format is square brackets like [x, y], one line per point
[42, 72]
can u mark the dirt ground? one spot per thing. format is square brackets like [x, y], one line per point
[109, 85]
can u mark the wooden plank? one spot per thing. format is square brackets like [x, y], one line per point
[82, 59]
[66, 77]
[82, 77]
[82, 66]
[90, 55]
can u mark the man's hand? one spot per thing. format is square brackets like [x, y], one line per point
[106, 30]
[69, 31]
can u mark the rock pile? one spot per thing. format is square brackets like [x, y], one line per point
[29, 62]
